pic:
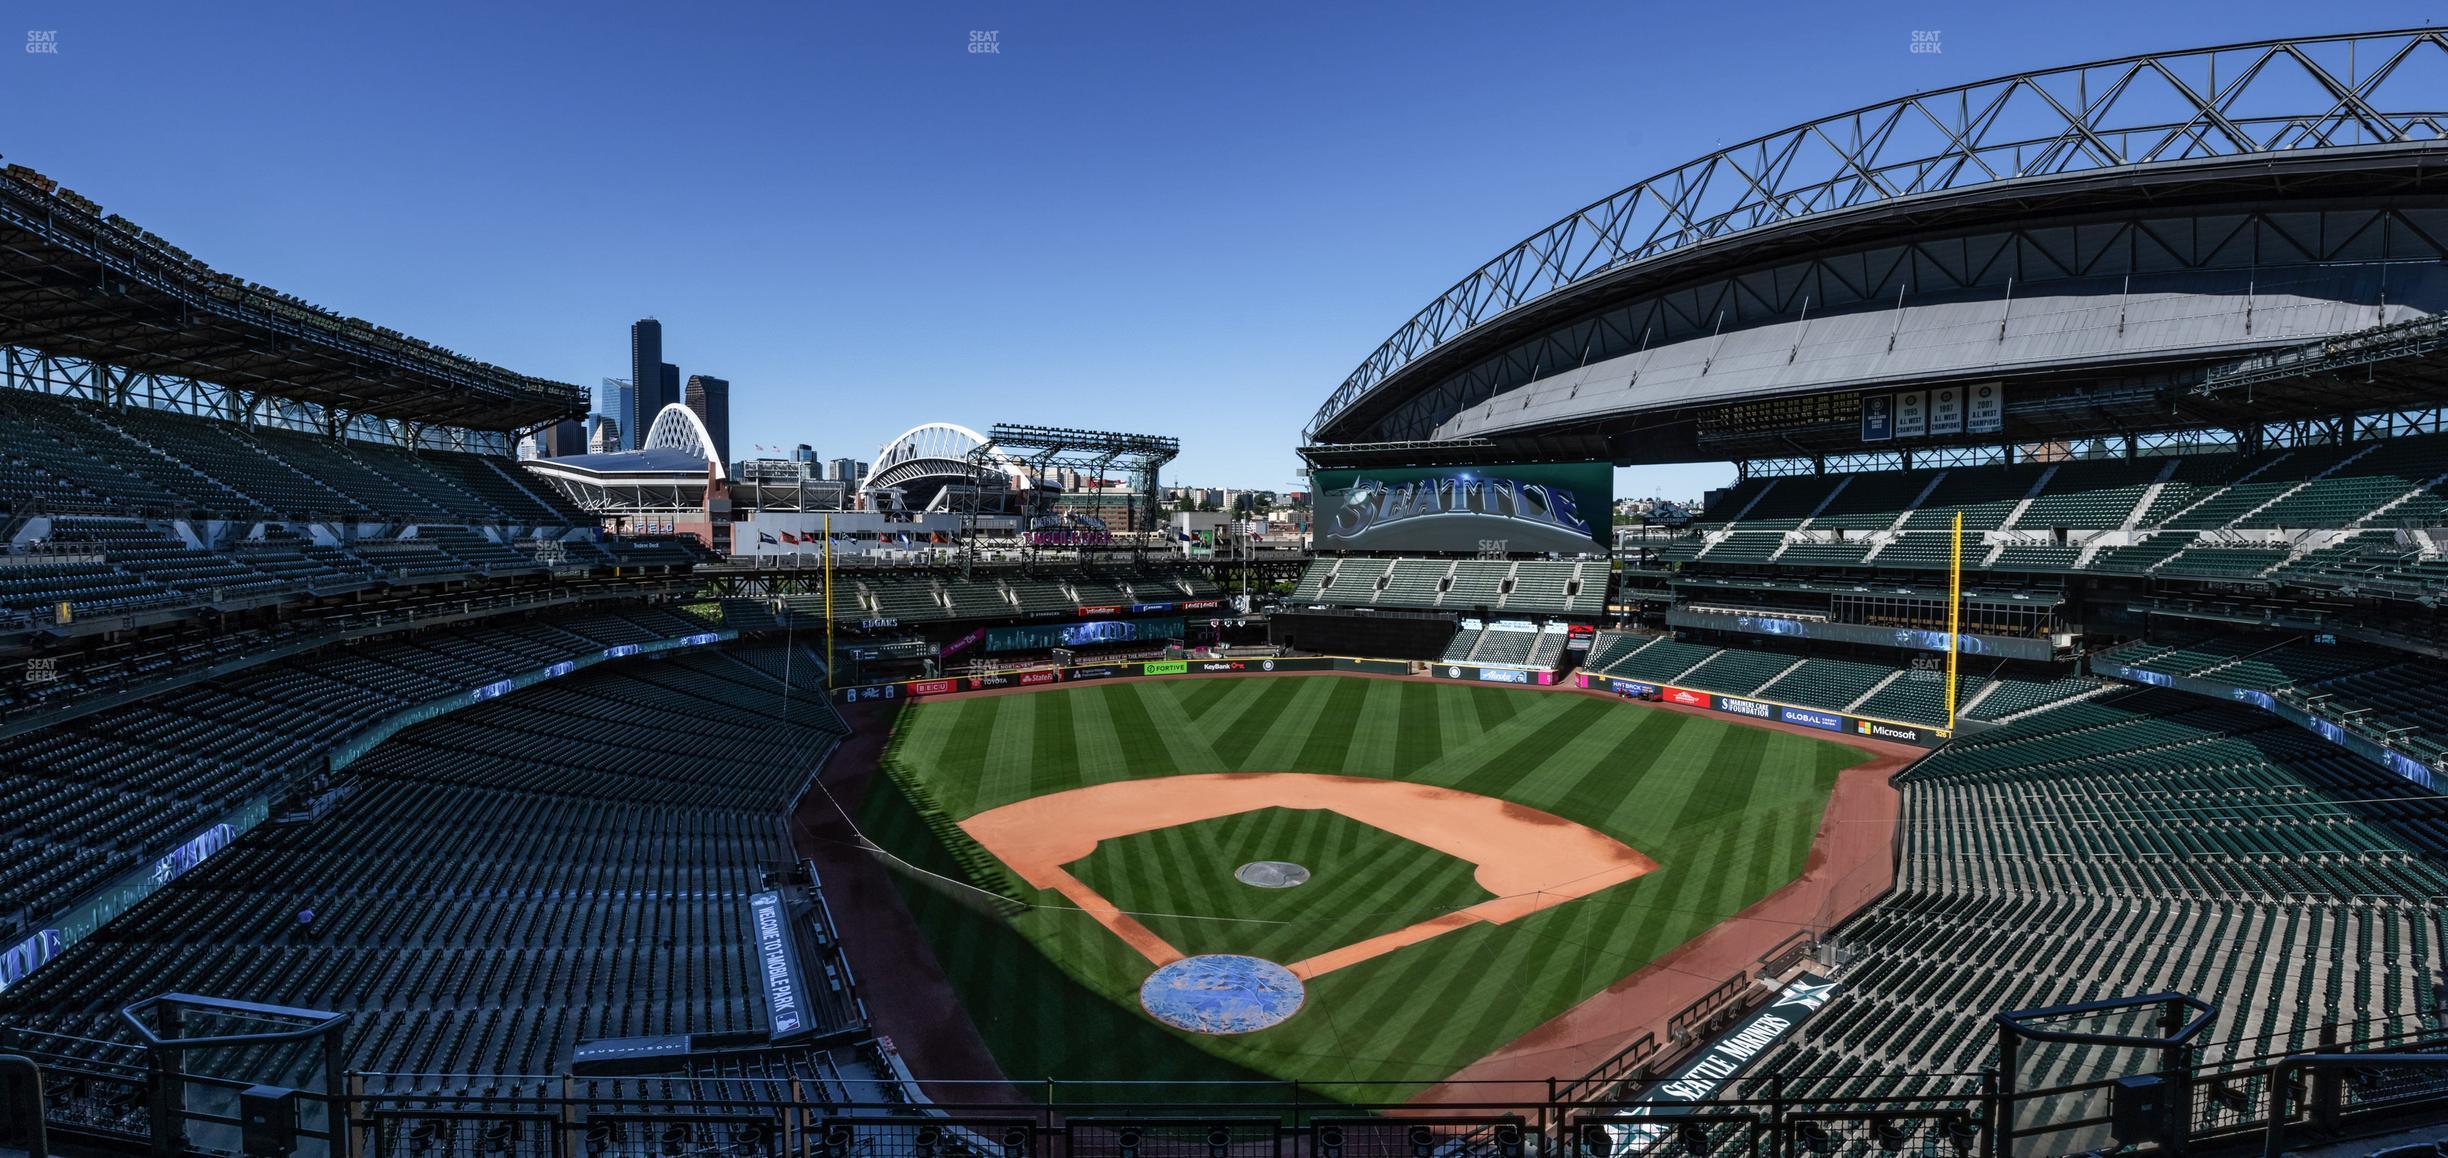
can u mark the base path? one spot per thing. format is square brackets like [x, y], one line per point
[1529, 859]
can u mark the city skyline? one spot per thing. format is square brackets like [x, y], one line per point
[998, 166]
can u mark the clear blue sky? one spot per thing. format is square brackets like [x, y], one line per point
[1186, 218]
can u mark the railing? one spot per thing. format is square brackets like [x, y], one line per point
[814, 1111]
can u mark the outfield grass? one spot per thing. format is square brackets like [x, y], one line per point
[1728, 812]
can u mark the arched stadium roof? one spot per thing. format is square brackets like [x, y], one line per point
[677, 445]
[2333, 100]
[930, 456]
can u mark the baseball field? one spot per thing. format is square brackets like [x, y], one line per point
[1471, 860]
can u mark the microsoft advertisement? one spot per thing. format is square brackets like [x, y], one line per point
[1558, 507]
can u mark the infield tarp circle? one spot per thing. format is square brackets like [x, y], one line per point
[1271, 874]
[1222, 993]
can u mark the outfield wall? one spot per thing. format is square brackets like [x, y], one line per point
[1746, 707]
[1041, 676]
[1771, 710]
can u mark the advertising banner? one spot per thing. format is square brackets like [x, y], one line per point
[1686, 697]
[778, 964]
[1564, 507]
[1046, 636]
[1165, 667]
[1879, 731]
[1811, 719]
[1908, 638]
[1742, 707]
[1647, 1120]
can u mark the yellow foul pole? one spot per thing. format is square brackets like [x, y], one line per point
[1954, 616]
[828, 594]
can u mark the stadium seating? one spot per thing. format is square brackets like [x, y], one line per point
[71, 456]
[101, 794]
[1522, 587]
[1888, 690]
[2324, 516]
[1827, 683]
[570, 862]
[921, 595]
[2139, 841]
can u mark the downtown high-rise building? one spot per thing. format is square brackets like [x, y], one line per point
[709, 398]
[845, 470]
[604, 435]
[616, 401]
[646, 367]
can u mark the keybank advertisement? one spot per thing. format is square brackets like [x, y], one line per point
[1699, 1079]
[1548, 507]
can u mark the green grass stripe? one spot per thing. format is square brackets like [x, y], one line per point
[1330, 733]
[1419, 732]
[1237, 731]
[1185, 742]
[1286, 733]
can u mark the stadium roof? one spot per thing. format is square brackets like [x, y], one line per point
[2313, 154]
[650, 461]
[78, 283]
[677, 446]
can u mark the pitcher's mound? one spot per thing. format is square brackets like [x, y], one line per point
[1222, 993]
[1271, 874]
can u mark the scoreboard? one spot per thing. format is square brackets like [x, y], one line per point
[1780, 415]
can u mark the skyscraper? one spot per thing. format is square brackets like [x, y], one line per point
[667, 389]
[616, 400]
[646, 379]
[562, 439]
[710, 398]
[805, 453]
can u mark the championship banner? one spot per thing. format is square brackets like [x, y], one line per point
[1946, 410]
[1912, 414]
[1985, 410]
